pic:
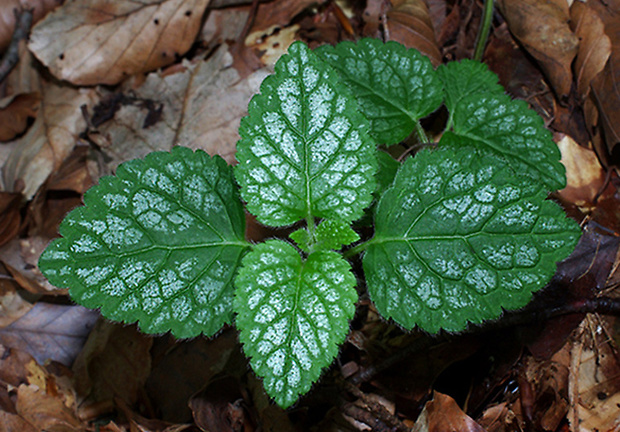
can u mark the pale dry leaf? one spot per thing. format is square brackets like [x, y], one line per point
[201, 108]
[49, 141]
[594, 45]
[50, 332]
[584, 174]
[542, 28]
[594, 380]
[102, 42]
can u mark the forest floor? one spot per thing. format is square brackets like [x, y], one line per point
[165, 72]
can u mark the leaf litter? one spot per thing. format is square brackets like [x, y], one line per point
[114, 81]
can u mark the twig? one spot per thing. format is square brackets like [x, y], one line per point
[363, 416]
[379, 411]
[23, 21]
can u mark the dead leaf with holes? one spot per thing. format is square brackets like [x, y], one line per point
[542, 28]
[102, 42]
[184, 108]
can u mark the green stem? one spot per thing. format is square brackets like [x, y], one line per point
[358, 249]
[485, 27]
[421, 133]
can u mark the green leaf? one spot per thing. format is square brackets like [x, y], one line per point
[466, 77]
[386, 172]
[304, 148]
[459, 238]
[329, 235]
[508, 128]
[292, 315]
[394, 86]
[158, 243]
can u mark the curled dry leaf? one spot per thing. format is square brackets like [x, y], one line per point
[10, 216]
[542, 28]
[7, 17]
[192, 113]
[407, 22]
[442, 414]
[102, 42]
[15, 111]
[594, 45]
[584, 174]
[49, 141]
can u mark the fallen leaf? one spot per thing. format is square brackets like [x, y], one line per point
[594, 379]
[605, 86]
[12, 305]
[114, 363]
[15, 111]
[49, 141]
[7, 17]
[102, 42]
[542, 28]
[44, 411]
[409, 23]
[10, 216]
[50, 332]
[182, 370]
[585, 177]
[220, 406]
[594, 45]
[192, 113]
[442, 414]
[12, 422]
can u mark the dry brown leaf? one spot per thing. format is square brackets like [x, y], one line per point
[12, 305]
[114, 363]
[103, 42]
[10, 216]
[50, 332]
[15, 111]
[7, 17]
[13, 423]
[199, 108]
[594, 45]
[442, 414]
[605, 92]
[49, 141]
[584, 174]
[594, 380]
[44, 411]
[409, 23]
[542, 28]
